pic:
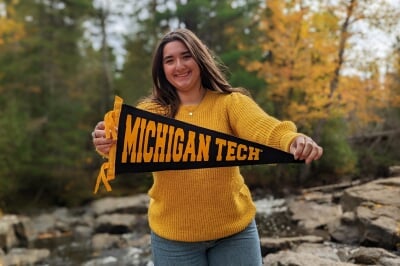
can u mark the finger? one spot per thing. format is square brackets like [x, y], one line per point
[99, 134]
[320, 152]
[104, 148]
[100, 125]
[300, 145]
[316, 154]
[308, 149]
[102, 141]
[312, 156]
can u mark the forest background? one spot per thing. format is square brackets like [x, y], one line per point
[310, 61]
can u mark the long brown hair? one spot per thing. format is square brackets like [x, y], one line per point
[212, 77]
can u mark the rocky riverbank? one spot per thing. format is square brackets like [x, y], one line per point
[344, 224]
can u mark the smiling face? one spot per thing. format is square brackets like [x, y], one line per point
[181, 69]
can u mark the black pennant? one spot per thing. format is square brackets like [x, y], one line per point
[148, 142]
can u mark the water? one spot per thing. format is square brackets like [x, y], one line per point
[273, 218]
[65, 251]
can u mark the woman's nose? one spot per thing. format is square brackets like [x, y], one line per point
[179, 64]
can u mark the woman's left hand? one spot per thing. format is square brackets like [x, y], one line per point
[304, 148]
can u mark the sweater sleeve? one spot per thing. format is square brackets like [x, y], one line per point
[249, 121]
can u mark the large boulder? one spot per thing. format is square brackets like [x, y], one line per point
[376, 206]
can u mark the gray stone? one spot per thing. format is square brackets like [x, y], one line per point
[288, 242]
[22, 256]
[372, 256]
[115, 223]
[311, 215]
[290, 258]
[132, 204]
[105, 241]
[319, 250]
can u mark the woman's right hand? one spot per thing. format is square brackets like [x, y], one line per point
[100, 142]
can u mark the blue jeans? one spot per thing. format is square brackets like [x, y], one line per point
[241, 249]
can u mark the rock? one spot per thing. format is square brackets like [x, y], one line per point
[291, 258]
[381, 191]
[344, 233]
[381, 225]
[373, 256]
[346, 229]
[115, 223]
[377, 208]
[44, 223]
[330, 254]
[287, 242]
[15, 230]
[137, 204]
[105, 241]
[106, 261]
[134, 240]
[132, 256]
[8, 238]
[394, 170]
[22, 256]
[312, 215]
[82, 231]
[321, 251]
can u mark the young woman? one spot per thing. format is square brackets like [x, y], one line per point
[206, 216]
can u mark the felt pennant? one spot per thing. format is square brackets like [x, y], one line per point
[148, 142]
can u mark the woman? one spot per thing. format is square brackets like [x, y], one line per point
[206, 216]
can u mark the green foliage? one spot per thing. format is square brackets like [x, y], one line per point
[14, 143]
[339, 158]
[43, 109]
[135, 79]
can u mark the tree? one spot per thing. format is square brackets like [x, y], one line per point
[41, 83]
[307, 50]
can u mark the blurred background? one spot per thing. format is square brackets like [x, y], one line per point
[331, 66]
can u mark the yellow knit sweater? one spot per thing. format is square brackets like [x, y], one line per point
[211, 203]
